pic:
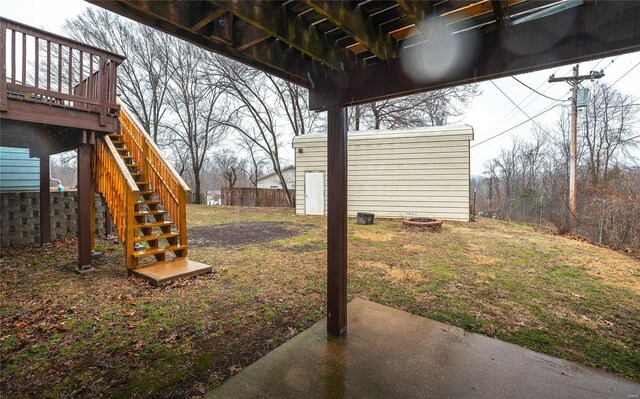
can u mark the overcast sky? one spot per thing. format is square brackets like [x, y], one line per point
[489, 114]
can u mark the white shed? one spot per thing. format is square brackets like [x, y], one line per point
[273, 181]
[421, 172]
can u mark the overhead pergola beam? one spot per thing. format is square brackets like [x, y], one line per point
[352, 21]
[167, 16]
[595, 30]
[278, 21]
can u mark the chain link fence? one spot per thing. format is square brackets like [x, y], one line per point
[609, 221]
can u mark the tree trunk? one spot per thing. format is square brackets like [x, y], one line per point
[196, 178]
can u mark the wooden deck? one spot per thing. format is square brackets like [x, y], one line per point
[162, 272]
[52, 80]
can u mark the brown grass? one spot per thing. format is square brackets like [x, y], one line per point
[107, 335]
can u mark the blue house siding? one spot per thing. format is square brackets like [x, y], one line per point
[18, 172]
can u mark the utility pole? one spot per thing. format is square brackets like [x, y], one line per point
[574, 81]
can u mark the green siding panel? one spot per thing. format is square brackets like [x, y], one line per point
[17, 170]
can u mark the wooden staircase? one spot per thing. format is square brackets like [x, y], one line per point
[147, 200]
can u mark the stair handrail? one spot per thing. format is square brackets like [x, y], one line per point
[165, 180]
[120, 192]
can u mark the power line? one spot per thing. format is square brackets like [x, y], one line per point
[525, 114]
[516, 126]
[630, 139]
[625, 74]
[507, 117]
[609, 64]
[534, 90]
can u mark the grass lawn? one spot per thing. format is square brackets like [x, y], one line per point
[104, 334]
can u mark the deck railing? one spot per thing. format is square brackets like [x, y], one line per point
[164, 180]
[120, 191]
[39, 66]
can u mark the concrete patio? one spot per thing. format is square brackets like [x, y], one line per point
[388, 353]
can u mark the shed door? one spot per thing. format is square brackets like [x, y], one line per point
[314, 193]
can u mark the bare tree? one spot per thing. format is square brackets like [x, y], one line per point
[143, 78]
[608, 121]
[255, 117]
[255, 164]
[194, 100]
[508, 167]
[228, 165]
[491, 169]
[293, 100]
[425, 109]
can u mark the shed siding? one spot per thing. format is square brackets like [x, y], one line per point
[17, 170]
[418, 172]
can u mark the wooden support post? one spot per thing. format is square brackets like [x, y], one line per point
[3, 67]
[92, 210]
[108, 223]
[85, 155]
[45, 202]
[337, 220]
[102, 90]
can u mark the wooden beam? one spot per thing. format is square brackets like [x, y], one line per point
[352, 21]
[206, 20]
[498, 10]
[591, 31]
[417, 11]
[278, 21]
[246, 35]
[278, 61]
[26, 111]
[45, 202]
[337, 220]
[85, 156]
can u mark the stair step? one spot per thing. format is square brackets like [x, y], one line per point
[149, 213]
[153, 224]
[146, 192]
[162, 272]
[153, 251]
[143, 183]
[147, 202]
[155, 237]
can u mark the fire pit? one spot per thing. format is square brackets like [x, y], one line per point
[423, 223]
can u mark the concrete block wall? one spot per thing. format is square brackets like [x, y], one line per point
[20, 216]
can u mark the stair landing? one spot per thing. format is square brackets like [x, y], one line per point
[162, 272]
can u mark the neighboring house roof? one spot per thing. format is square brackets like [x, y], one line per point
[272, 174]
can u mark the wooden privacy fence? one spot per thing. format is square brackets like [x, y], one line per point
[249, 196]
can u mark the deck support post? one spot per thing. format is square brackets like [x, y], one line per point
[337, 220]
[108, 223]
[85, 157]
[45, 202]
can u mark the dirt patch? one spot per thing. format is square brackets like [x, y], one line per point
[243, 233]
